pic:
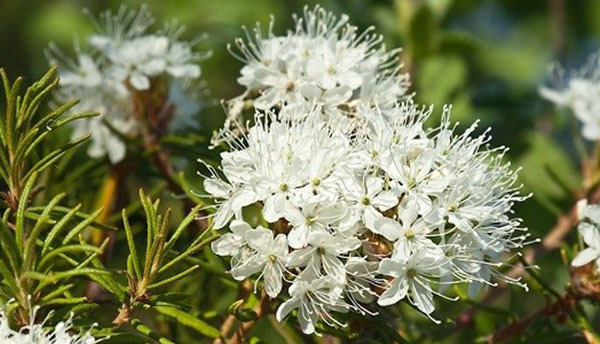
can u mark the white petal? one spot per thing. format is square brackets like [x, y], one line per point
[390, 267]
[387, 227]
[286, 307]
[139, 81]
[259, 239]
[116, 149]
[385, 200]
[242, 198]
[408, 215]
[422, 297]
[585, 257]
[239, 227]
[298, 236]
[332, 213]
[223, 215]
[310, 91]
[306, 319]
[370, 216]
[191, 71]
[558, 98]
[396, 292]
[154, 67]
[591, 235]
[217, 188]
[300, 257]
[227, 245]
[243, 271]
[272, 275]
[271, 208]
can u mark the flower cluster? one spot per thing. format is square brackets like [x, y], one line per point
[387, 212]
[579, 92]
[124, 58]
[37, 334]
[589, 216]
[323, 61]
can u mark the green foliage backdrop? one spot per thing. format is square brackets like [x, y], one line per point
[487, 58]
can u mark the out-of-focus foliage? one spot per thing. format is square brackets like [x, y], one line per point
[487, 58]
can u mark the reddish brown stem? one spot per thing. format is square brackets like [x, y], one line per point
[560, 308]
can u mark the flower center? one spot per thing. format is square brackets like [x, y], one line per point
[290, 86]
[284, 187]
[272, 258]
[365, 201]
[310, 220]
[409, 234]
[316, 182]
[411, 183]
[411, 273]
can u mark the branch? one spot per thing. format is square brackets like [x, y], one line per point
[562, 306]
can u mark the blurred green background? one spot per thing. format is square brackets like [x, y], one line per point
[486, 57]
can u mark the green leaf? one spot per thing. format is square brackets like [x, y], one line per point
[182, 226]
[190, 321]
[81, 226]
[20, 222]
[67, 249]
[58, 228]
[132, 249]
[32, 238]
[64, 301]
[174, 278]
[143, 328]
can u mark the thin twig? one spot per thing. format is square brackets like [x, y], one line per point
[562, 305]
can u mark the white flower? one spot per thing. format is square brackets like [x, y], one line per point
[366, 196]
[409, 233]
[272, 255]
[125, 58]
[411, 274]
[437, 204]
[39, 334]
[360, 276]
[324, 61]
[314, 299]
[591, 237]
[579, 92]
[313, 217]
[229, 244]
[324, 254]
[369, 198]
